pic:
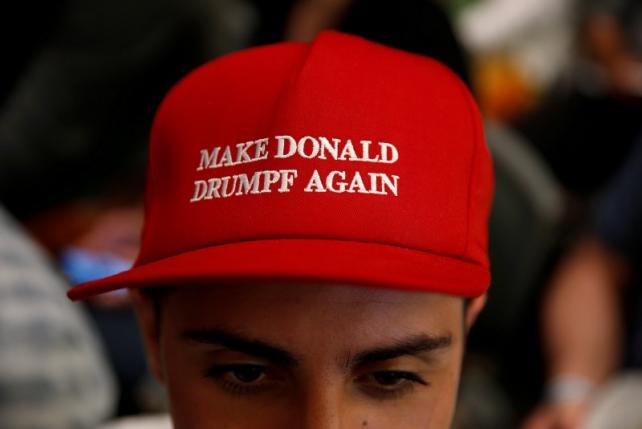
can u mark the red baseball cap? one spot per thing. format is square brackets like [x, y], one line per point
[340, 160]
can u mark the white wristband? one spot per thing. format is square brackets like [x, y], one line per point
[569, 388]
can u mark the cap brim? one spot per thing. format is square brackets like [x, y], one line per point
[368, 264]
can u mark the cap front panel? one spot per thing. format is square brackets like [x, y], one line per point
[333, 141]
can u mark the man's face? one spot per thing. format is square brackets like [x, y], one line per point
[285, 355]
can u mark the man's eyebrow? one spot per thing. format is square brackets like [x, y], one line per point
[410, 346]
[240, 343]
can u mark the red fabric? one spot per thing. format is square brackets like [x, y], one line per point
[431, 236]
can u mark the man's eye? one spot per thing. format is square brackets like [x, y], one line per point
[390, 384]
[392, 379]
[239, 378]
[240, 373]
[247, 373]
[388, 378]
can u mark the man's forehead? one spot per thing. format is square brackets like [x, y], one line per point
[277, 311]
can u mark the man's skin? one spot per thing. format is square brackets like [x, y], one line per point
[300, 355]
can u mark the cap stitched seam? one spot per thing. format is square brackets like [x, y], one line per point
[473, 167]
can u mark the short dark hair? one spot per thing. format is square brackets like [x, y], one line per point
[156, 294]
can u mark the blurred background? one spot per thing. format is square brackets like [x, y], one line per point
[559, 82]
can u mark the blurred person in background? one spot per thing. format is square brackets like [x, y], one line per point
[565, 74]
[519, 49]
[53, 373]
[80, 82]
[592, 317]
[78, 99]
[586, 128]
[588, 121]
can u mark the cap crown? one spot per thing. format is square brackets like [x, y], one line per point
[404, 124]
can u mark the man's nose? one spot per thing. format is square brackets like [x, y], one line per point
[322, 407]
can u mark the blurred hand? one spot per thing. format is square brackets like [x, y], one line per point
[625, 75]
[563, 415]
[607, 46]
